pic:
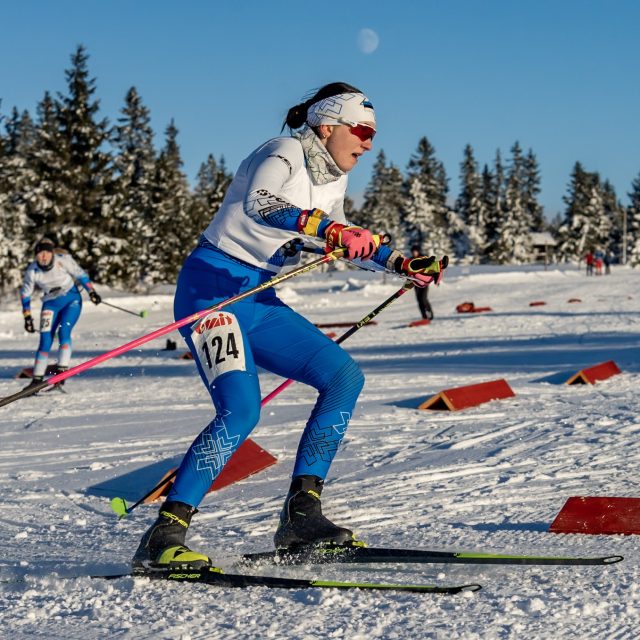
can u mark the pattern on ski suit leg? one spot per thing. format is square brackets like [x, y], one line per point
[320, 443]
[215, 448]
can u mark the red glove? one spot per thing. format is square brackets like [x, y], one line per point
[359, 242]
[423, 270]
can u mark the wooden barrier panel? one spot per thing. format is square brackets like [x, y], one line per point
[419, 323]
[591, 375]
[598, 516]
[250, 458]
[470, 396]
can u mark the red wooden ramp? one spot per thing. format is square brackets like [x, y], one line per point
[591, 375]
[247, 460]
[27, 372]
[469, 307]
[598, 516]
[463, 397]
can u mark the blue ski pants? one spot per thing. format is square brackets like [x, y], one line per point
[61, 315]
[229, 345]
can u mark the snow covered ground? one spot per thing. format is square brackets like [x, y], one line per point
[490, 478]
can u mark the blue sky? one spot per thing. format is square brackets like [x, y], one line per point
[561, 77]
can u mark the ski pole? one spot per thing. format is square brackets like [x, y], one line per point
[25, 393]
[119, 505]
[407, 286]
[141, 314]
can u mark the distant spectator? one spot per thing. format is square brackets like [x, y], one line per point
[607, 262]
[422, 293]
[598, 259]
[589, 260]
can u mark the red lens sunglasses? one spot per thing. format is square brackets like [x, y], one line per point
[362, 131]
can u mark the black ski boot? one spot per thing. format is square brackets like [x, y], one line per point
[301, 520]
[162, 546]
[59, 369]
[35, 380]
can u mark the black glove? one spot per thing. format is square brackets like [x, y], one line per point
[94, 297]
[28, 323]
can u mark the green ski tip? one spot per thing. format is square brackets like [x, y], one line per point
[119, 507]
[144, 314]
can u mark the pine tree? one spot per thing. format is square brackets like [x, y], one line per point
[531, 191]
[611, 222]
[430, 172]
[584, 227]
[16, 181]
[513, 243]
[383, 201]
[50, 159]
[86, 226]
[470, 206]
[173, 233]
[633, 225]
[135, 164]
[212, 183]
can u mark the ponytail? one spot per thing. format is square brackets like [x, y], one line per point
[297, 116]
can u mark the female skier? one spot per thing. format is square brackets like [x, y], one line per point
[288, 187]
[55, 274]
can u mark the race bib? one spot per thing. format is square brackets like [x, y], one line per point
[219, 346]
[46, 318]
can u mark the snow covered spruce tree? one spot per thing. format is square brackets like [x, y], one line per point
[427, 215]
[633, 224]
[471, 207]
[383, 201]
[135, 164]
[531, 191]
[50, 159]
[212, 182]
[17, 181]
[87, 227]
[513, 232]
[585, 226]
[173, 235]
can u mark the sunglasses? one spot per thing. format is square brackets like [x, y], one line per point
[362, 131]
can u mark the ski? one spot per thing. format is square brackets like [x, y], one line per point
[214, 577]
[359, 554]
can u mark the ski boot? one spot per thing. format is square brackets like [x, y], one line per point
[162, 546]
[59, 385]
[35, 380]
[301, 521]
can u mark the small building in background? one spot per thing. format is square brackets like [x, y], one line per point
[543, 247]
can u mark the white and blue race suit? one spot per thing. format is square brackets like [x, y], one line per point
[61, 305]
[242, 248]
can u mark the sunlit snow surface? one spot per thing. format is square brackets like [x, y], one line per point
[491, 478]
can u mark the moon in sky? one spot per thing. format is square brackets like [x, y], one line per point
[368, 40]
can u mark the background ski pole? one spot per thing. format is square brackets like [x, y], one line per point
[119, 505]
[140, 314]
[29, 391]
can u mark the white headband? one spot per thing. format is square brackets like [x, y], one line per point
[352, 107]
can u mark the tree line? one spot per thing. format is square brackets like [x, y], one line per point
[127, 212]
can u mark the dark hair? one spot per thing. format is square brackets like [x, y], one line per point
[297, 116]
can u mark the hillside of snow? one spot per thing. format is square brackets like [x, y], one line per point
[488, 478]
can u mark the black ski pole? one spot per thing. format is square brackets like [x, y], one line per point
[140, 314]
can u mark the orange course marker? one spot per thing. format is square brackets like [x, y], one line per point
[591, 375]
[249, 458]
[598, 516]
[469, 396]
